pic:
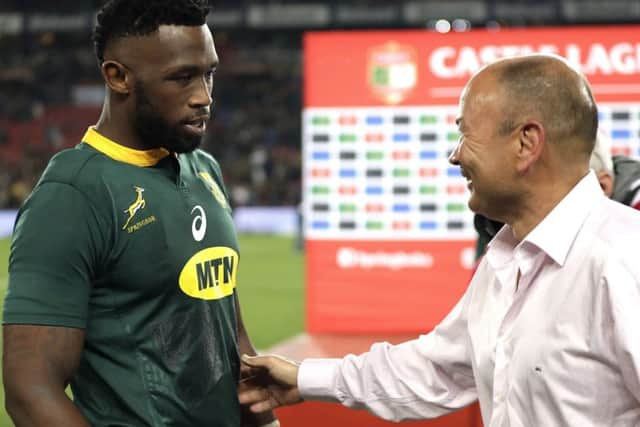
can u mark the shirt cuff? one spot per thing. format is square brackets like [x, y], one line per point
[316, 379]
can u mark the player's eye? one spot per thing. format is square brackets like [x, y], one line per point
[182, 78]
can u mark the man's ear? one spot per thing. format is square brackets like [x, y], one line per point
[116, 76]
[606, 182]
[531, 140]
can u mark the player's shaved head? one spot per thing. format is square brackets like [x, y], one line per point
[548, 89]
[124, 18]
[158, 59]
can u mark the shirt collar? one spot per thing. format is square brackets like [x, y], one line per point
[555, 234]
[143, 158]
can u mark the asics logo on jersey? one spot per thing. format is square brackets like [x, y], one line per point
[138, 204]
[199, 224]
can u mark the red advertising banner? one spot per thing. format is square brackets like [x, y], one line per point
[389, 237]
[360, 286]
[430, 68]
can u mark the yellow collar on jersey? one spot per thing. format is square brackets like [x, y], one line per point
[121, 153]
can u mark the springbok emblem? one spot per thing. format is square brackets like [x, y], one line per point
[138, 204]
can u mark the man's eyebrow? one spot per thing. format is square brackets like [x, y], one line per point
[188, 68]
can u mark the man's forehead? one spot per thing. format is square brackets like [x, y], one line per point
[188, 34]
[169, 44]
[478, 100]
[483, 90]
[461, 106]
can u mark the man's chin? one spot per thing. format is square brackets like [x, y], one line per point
[474, 205]
[185, 145]
[480, 203]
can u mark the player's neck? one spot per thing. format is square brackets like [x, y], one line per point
[117, 128]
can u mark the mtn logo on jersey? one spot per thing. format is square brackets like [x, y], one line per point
[214, 188]
[210, 274]
[138, 204]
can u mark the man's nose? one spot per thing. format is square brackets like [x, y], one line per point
[454, 157]
[202, 96]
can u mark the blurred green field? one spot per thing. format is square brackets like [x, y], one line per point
[270, 285]
[4, 257]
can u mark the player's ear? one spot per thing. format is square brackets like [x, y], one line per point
[530, 139]
[116, 76]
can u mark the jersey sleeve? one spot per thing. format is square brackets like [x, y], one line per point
[58, 242]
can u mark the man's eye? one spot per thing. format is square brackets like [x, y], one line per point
[209, 74]
[182, 78]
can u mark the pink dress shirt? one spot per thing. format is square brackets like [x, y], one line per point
[562, 348]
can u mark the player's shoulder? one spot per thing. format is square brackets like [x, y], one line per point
[82, 168]
[202, 156]
[203, 160]
[68, 164]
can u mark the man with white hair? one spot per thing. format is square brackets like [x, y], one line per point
[619, 176]
[601, 162]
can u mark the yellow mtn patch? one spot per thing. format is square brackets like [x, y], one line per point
[210, 274]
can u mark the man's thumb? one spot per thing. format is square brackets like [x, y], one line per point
[253, 361]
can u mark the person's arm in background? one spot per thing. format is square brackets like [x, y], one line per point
[38, 362]
[249, 418]
[635, 200]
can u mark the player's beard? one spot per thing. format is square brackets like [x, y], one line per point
[156, 132]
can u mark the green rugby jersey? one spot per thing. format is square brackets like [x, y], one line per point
[137, 248]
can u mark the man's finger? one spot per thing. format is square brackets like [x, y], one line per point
[245, 370]
[256, 361]
[264, 406]
[253, 395]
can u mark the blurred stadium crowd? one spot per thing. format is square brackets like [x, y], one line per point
[50, 91]
[50, 88]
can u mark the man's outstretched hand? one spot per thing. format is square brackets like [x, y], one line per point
[268, 382]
